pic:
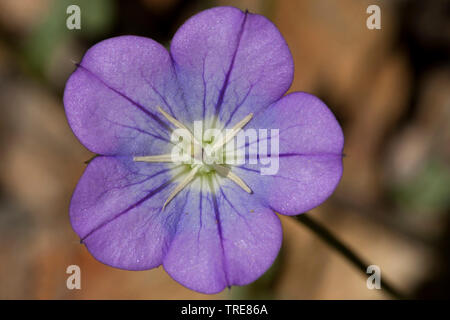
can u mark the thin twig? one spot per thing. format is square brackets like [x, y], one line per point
[343, 249]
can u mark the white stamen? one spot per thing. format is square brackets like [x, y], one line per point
[179, 125]
[220, 169]
[157, 158]
[233, 132]
[172, 120]
[226, 172]
[190, 176]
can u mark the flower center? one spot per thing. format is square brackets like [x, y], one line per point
[202, 154]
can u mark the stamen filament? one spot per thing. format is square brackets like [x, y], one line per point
[157, 158]
[190, 176]
[179, 125]
[172, 120]
[223, 171]
[233, 132]
[226, 172]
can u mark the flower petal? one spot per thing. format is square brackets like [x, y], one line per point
[310, 155]
[111, 99]
[116, 210]
[223, 240]
[230, 63]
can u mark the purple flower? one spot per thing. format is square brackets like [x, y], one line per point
[210, 225]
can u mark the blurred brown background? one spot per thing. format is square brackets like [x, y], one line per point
[389, 88]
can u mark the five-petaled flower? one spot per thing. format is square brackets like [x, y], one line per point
[210, 225]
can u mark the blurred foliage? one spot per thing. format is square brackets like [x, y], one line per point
[427, 190]
[97, 18]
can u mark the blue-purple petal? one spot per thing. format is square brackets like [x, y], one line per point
[111, 99]
[310, 155]
[224, 239]
[116, 210]
[230, 63]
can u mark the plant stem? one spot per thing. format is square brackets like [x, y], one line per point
[343, 249]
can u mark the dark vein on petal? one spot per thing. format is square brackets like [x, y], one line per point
[273, 176]
[180, 90]
[140, 131]
[318, 154]
[219, 230]
[239, 105]
[293, 154]
[159, 95]
[131, 184]
[238, 213]
[179, 214]
[204, 94]
[134, 205]
[227, 76]
[249, 143]
[140, 107]
[201, 211]
[248, 169]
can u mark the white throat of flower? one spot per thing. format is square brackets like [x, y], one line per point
[200, 165]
